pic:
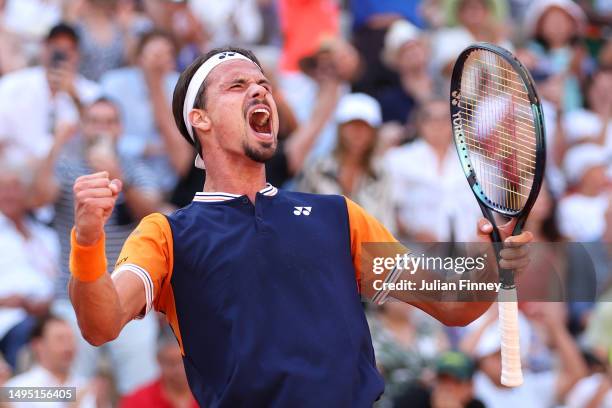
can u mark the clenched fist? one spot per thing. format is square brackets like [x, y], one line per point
[94, 199]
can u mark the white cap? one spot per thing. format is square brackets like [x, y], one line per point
[448, 44]
[397, 35]
[359, 106]
[490, 340]
[537, 9]
[581, 158]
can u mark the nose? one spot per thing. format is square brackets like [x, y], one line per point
[257, 91]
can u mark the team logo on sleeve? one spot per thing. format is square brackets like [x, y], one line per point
[302, 210]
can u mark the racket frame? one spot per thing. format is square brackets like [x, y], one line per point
[511, 374]
[486, 205]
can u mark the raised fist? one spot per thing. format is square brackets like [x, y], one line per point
[94, 199]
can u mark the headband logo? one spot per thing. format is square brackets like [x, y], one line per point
[226, 54]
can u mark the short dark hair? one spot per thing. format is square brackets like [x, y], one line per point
[152, 34]
[63, 29]
[180, 90]
[41, 324]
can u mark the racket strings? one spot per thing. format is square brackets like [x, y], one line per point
[498, 129]
[512, 144]
[525, 125]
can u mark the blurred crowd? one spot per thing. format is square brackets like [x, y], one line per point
[362, 89]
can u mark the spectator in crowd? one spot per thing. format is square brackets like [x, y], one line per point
[296, 142]
[433, 201]
[594, 391]
[236, 22]
[371, 21]
[304, 25]
[31, 19]
[539, 389]
[332, 58]
[555, 28]
[550, 89]
[178, 19]
[352, 169]
[564, 271]
[406, 51]
[103, 39]
[477, 21]
[585, 167]
[53, 345]
[599, 12]
[26, 281]
[171, 389]
[452, 387]
[53, 90]
[593, 124]
[95, 151]
[143, 93]
[405, 342]
[598, 333]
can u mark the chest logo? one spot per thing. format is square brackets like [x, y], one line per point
[302, 210]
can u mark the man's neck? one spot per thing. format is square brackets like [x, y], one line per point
[243, 177]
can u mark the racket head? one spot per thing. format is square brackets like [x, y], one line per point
[498, 128]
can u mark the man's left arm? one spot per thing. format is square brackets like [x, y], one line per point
[365, 229]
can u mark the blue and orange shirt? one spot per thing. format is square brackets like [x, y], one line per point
[263, 298]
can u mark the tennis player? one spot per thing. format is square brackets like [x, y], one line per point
[260, 286]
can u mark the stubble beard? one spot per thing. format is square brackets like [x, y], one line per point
[259, 155]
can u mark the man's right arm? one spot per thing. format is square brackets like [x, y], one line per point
[105, 303]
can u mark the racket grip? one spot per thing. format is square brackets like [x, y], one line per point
[511, 375]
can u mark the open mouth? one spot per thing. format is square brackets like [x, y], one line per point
[259, 120]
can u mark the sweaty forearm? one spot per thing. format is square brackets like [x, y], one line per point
[447, 296]
[97, 308]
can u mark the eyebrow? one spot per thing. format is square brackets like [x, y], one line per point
[242, 80]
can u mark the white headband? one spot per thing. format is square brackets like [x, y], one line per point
[196, 83]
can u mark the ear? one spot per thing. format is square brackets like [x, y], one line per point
[199, 119]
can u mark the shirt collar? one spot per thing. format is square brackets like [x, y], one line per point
[217, 196]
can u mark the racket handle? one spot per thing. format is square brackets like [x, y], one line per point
[511, 375]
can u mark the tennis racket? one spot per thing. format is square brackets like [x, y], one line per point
[498, 129]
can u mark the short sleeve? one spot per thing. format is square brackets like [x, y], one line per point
[148, 253]
[364, 228]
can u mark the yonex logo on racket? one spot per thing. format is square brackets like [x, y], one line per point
[457, 124]
[455, 98]
[302, 210]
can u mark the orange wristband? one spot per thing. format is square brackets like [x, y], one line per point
[87, 263]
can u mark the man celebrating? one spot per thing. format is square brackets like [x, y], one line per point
[260, 286]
